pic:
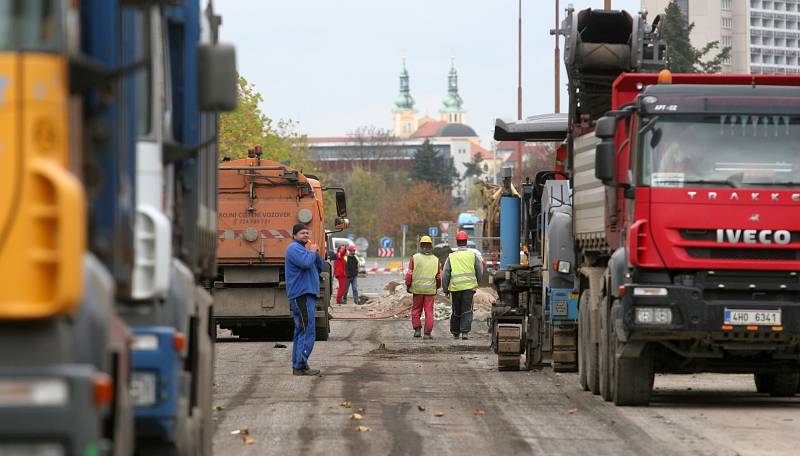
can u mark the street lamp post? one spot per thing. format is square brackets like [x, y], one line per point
[519, 87]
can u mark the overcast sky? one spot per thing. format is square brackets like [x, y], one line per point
[333, 65]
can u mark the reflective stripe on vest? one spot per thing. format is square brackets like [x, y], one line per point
[423, 278]
[462, 271]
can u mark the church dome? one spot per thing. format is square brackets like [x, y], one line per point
[456, 130]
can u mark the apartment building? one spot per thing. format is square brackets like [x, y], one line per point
[764, 35]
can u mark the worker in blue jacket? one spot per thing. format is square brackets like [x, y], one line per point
[303, 267]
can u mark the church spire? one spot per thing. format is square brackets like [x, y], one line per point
[404, 101]
[404, 115]
[452, 106]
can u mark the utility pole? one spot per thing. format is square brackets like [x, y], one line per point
[608, 4]
[556, 67]
[519, 88]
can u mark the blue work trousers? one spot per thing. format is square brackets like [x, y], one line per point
[351, 282]
[305, 331]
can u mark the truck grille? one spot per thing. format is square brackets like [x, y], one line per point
[743, 254]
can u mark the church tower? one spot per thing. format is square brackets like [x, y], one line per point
[404, 114]
[452, 106]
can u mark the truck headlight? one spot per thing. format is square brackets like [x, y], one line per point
[144, 342]
[564, 267]
[653, 315]
[643, 291]
[41, 392]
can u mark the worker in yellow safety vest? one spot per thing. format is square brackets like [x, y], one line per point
[422, 280]
[462, 272]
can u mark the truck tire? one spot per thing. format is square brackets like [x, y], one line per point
[780, 384]
[631, 378]
[587, 349]
[604, 366]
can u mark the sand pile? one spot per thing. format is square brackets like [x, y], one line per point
[396, 301]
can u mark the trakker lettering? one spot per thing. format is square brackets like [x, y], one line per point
[734, 196]
[735, 236]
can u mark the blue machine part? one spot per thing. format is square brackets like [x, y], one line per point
[155, 381]
[562, 305]
[110, 152]
[509, 230]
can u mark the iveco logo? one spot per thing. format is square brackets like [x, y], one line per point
[753, 196]
[754, 236]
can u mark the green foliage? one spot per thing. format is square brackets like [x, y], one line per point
[248, 126]
[370, 197]
[428, 166]
[475, 167]
[681, 56]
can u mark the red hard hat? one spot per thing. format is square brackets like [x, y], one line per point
[352, 248]
[461, 236]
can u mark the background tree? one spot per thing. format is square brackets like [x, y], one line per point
[681, 56]
[370, 144]
[475, 167]
[248, 126]
[428, 165]
[422, 206]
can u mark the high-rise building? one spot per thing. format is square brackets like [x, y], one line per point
[764, 35]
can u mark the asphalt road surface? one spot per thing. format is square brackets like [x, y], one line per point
[402, 384]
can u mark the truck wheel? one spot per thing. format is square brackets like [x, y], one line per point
[604, 358]
[587, 349]
[631, 378]
[781, 384]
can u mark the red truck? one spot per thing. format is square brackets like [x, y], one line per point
[684, 215]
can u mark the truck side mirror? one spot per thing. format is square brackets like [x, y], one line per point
[216, 78]
[341, 204]
[604, 162]
[606, 127]
[341, 223]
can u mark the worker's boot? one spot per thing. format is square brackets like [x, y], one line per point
[417, 332]
[427, 336]
[464, 336]
[455, 335]
[306, 371]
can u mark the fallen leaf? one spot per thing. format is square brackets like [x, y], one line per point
[572, 411]
[279, 346]
[360, 410]
[248, 441]
[274, 409]
[479, 412]
[356, 416]
[219, 408]
[439, 413]
[346, 404]
[421, 408]
[362, 428]
[244, 431]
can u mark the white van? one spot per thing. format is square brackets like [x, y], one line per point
[362, 262]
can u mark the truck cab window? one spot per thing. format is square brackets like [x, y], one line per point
[31, 25]
[681, 151]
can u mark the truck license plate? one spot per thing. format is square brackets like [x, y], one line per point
[560, 308]
[744, 317]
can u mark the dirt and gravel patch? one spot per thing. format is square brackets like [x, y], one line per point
[395, 303]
